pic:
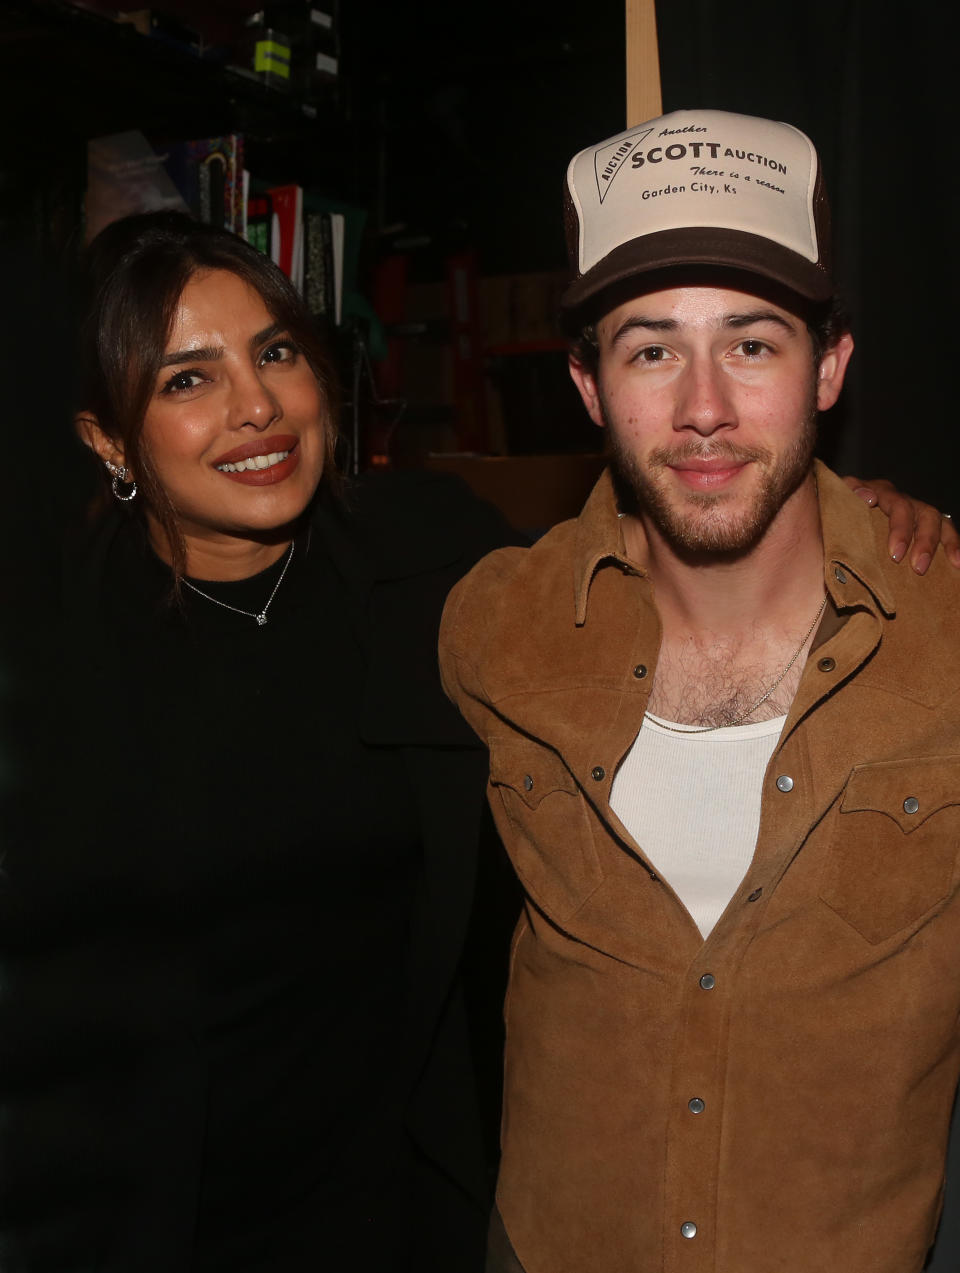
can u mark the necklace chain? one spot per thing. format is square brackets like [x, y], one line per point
[260, 616]
[708, 729]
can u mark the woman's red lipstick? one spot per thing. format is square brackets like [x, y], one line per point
[262, 446]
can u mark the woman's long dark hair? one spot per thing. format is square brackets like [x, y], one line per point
[132, 277]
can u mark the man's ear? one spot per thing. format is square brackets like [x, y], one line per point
[832, 369]
[103, 446]
[586, 382]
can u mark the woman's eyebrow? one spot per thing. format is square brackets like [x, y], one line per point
[208, 353]
[268, 333]
[205, 354]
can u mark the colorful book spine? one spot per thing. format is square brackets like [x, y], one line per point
[288, 220]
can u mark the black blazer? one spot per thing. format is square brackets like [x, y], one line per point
[399, 542]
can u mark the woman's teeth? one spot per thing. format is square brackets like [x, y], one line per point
[255, 462]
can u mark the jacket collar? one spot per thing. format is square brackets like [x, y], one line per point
[849, 544]
[599, 538]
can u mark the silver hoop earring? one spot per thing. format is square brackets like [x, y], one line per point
[119, 477]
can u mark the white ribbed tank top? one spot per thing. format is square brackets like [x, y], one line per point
[691, 801]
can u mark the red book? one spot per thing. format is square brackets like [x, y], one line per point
[287, 241]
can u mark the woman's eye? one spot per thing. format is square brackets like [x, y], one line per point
[182, 381]
[281, 351]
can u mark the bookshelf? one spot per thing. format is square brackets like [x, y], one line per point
[77, 73]
[357, 142]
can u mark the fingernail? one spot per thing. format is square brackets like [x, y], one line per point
[898, 552]
[921, 564]
[866, 494]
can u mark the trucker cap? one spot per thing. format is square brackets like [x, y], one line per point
[696, 187]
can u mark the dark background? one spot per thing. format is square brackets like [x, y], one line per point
[455, 124]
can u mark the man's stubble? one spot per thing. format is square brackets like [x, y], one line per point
[703, 523]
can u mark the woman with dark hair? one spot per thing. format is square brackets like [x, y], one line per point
[233, 1031]
[232, 1034]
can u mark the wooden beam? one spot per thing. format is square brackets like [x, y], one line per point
[643, 62]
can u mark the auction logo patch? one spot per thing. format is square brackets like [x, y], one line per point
[608, 160]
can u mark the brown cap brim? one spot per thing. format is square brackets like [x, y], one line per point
[691, 246]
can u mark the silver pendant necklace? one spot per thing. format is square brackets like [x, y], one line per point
[260, 616]
[709, 729]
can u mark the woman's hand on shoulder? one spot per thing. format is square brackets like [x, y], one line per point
[915, 527]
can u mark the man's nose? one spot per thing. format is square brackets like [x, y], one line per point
[704, 404]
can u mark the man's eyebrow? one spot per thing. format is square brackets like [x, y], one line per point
[752, 316]
[649, 324]
[736, 321]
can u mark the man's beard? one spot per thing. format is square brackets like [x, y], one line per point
[695, 522]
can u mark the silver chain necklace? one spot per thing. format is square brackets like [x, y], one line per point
[709, 729]
[260, 617]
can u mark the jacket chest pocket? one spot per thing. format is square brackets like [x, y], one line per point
[897, 835]
[545, 825]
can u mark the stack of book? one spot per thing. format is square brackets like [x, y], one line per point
[207, 178]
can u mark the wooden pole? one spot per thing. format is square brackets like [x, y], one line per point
[643, 62]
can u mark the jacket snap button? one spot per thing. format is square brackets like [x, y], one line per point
[827, 665]
[707, 981]
[755, 895]
[911, 804]
[599, 773]
[839, 575]
[640, 671]
[527, 783]
[784, 783]
[696, 1106]
[688, 1229]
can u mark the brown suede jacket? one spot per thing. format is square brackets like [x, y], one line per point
[776, 1097]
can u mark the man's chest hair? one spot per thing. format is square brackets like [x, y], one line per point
[713, 681]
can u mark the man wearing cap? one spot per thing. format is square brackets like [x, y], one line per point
[724, 733]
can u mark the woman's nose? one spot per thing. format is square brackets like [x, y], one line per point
[254, 404]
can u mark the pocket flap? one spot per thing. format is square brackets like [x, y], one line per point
[528, 769]
[908, 791]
